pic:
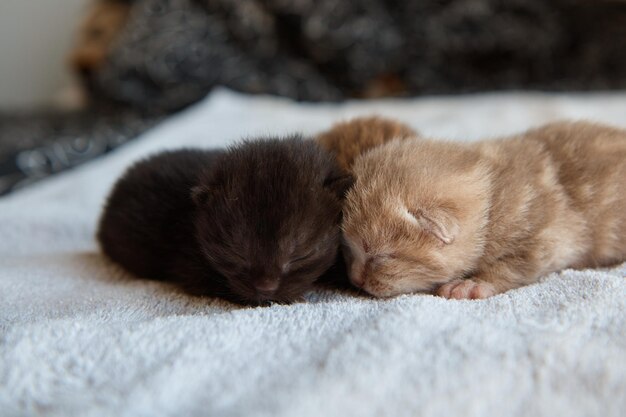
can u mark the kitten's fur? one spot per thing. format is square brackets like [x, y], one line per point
[97, 34]
[473, 220]
[256, 223]
[347, 140]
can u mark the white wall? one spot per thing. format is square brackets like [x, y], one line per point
[35, 36]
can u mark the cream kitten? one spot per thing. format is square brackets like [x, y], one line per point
[347, 140]
[470, 220]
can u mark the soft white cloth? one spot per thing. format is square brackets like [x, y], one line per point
[79, 337]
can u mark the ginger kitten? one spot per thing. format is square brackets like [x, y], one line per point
[97, 34]
[347, 140]
[470, 220]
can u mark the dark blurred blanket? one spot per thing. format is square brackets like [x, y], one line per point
[36, 145]
[172, 52]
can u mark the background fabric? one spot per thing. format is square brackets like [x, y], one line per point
[34, 146]
[79, 336]
[171, 53]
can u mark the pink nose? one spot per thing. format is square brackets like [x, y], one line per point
[266, 285]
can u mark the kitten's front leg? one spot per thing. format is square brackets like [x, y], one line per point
[466, 288]
[497, 278]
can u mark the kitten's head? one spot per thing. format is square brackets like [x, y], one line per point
[410, 225]
[268, 217]
[398, 250]
[349, 139]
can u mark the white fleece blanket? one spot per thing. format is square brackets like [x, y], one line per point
[79, 337]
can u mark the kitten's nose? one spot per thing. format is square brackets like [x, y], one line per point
[358, 279]
[266, 285]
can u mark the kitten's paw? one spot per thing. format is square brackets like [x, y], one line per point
[466, 288]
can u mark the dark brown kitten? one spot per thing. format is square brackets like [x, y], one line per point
[258, 222]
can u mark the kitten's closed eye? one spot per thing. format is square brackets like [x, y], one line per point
[232, 266]
[302, 258]
[303, 262]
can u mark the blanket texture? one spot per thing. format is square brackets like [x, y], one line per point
[79, 336]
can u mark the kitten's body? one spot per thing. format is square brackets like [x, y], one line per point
[147, 224]
[350, 139]
[426, 215]
[255, 223]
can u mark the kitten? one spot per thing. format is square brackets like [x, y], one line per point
[470, 220]
[347, 140]
[258, 222]
[97, 34]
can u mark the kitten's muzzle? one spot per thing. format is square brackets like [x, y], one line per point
[266, 286]
[359, 275]
[358, 280]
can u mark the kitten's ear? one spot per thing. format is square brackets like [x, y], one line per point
[200, 194]
[339, 183]
[438, 222]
